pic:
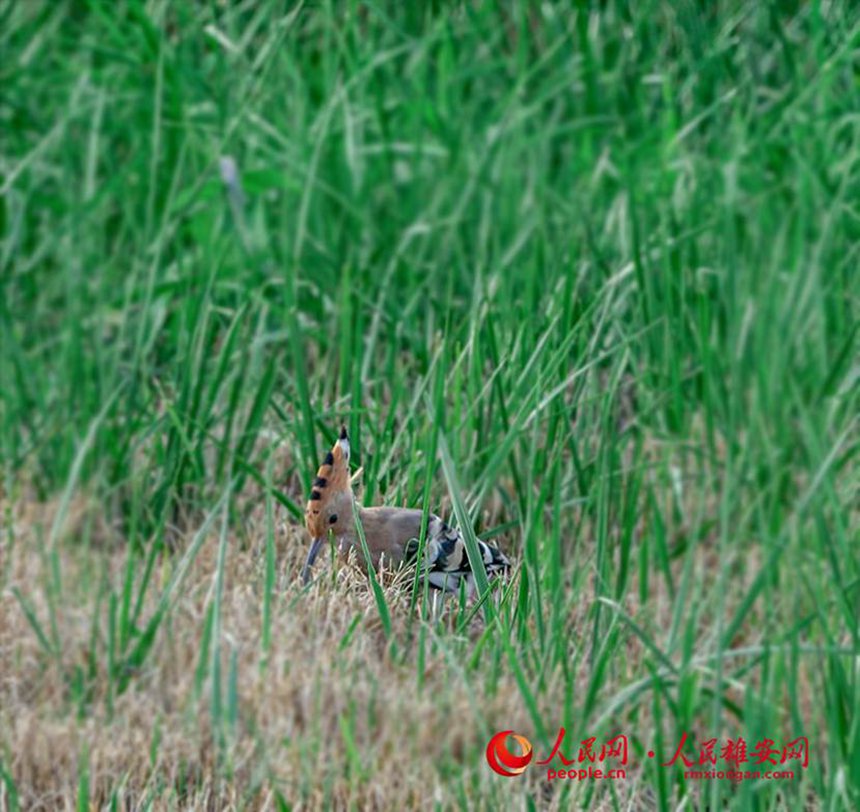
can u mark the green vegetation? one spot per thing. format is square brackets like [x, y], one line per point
[588, 277]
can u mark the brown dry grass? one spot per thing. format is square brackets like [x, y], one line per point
[331, 718]
[316, 699]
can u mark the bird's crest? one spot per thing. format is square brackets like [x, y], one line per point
[332, 480]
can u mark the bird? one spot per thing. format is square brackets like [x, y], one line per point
[391, 533]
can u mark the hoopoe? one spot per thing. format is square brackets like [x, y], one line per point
[391, 533]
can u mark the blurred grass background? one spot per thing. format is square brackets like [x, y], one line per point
[603, 256]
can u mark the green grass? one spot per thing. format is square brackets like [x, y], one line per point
[585, 278]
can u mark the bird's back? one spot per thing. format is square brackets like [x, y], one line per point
[392, 535]
[388, 531]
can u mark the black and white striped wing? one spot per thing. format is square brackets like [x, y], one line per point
[446, 561]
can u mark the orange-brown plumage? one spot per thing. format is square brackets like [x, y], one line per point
[332, 480]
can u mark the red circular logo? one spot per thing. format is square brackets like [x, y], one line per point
[502, 760]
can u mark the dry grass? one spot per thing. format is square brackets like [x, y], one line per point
[331, 717]
[329, 685]
[328, 719]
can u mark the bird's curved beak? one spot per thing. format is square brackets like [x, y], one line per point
[316, 544]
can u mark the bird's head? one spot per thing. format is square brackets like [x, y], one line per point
[330, 504]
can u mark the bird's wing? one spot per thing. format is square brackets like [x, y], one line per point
[446, 561]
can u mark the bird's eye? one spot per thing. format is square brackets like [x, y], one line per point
[333, 518]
